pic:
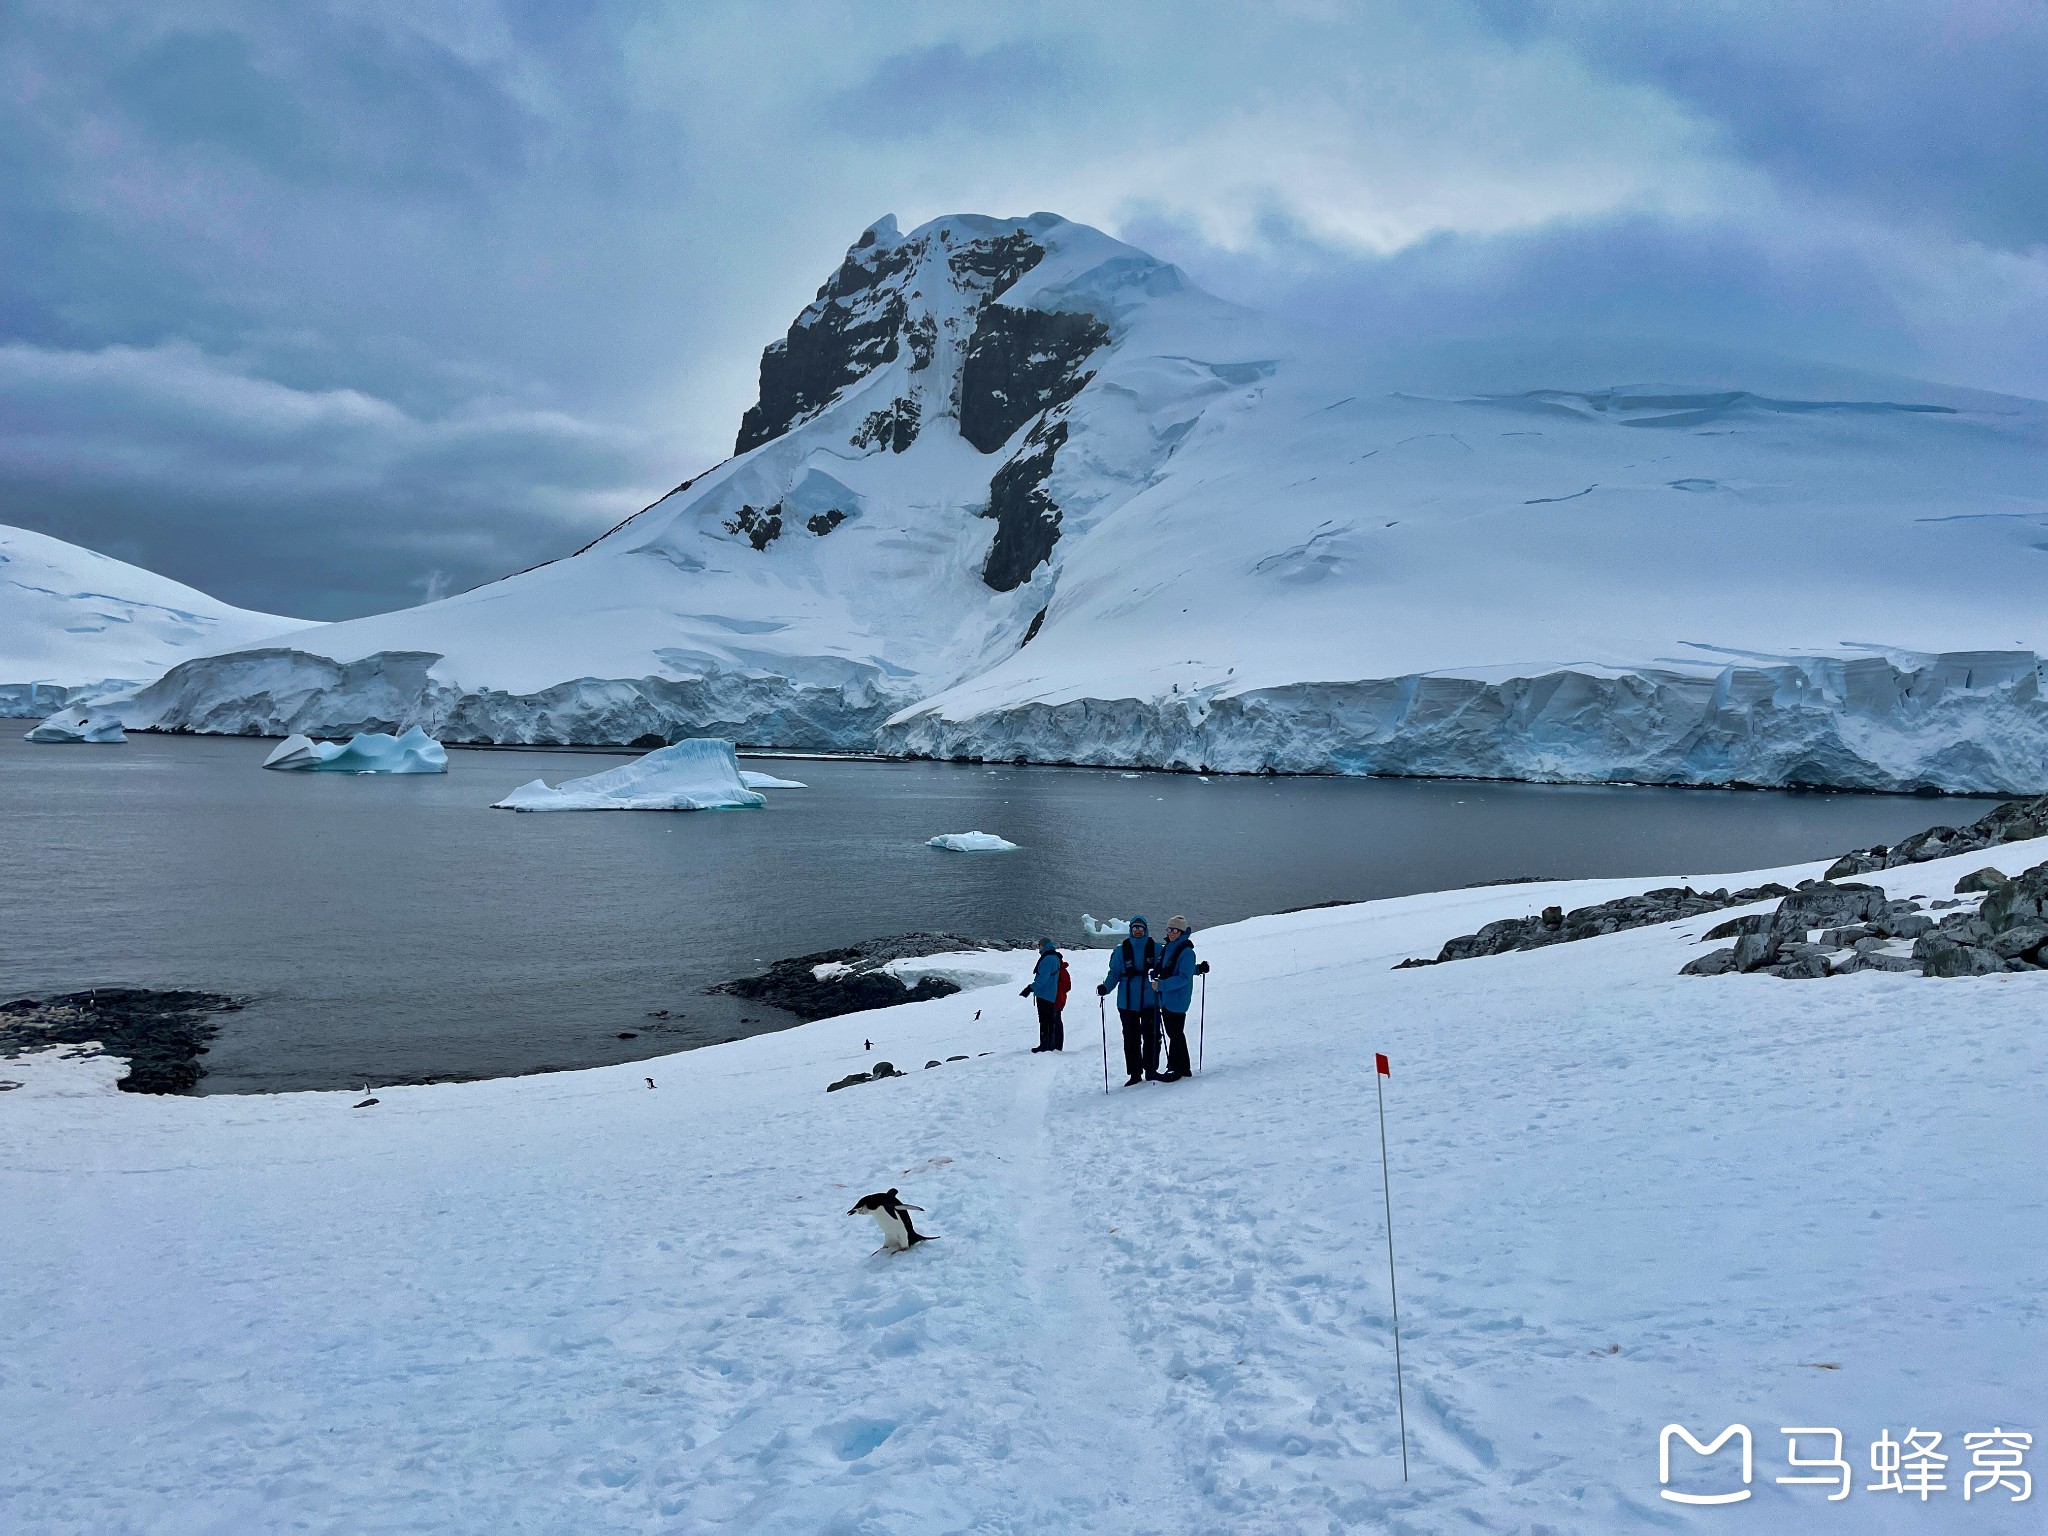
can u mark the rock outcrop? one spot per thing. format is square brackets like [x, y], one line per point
[2011, 823]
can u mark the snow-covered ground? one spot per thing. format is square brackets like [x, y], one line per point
[1622, 1199]
[1014, 489]
[73, 622]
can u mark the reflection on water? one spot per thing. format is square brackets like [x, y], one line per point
[397, 928]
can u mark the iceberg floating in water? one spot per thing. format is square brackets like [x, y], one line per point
[698, 775]
[79, 725]
[1115, 928]
[371, 752]
[972, 842]
[755, 780]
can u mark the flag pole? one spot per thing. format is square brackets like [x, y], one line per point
[1381, 1070]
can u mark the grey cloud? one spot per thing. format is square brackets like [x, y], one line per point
[144, 448]
[947, 86]
[307, 304]
[1918, 113]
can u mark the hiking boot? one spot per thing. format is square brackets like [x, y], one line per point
[1171, 1077]
[1134, 1079]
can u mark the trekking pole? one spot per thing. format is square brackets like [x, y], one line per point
[1102, 1017]
[1202, 1041]
[1380, 1070]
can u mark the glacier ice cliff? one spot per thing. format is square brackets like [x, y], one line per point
[1965, 723]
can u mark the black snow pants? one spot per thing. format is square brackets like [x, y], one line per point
[1052, 1033]
[1177, 1062]
[1141, 1041]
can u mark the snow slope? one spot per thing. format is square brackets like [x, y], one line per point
[1013, 489]
[72, 620]
[1622, 1198]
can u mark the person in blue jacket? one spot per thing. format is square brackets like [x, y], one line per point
[1045, 991]
[1177, 970]
[1131, 965]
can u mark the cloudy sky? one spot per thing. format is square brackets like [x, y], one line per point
[331, 308]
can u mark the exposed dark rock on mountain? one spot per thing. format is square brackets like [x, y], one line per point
[162, 1035]
[994, 265]
[760, 526]
[894, 428]
[825, 522]
[2013, 822]
[923, 335]
[851, 327]
[1020, 362]
[1027, 518]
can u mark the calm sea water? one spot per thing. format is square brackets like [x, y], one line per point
[396, 929]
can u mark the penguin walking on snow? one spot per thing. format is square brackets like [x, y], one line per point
[893, 1217]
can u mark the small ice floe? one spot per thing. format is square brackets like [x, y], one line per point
[972, 842]
[1115, 928]
[702, 774]
[755, 780]
[369, 752]
[94, 726]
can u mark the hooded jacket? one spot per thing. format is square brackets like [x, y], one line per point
[1045, 980]
[1177, 974]
[1129, 965]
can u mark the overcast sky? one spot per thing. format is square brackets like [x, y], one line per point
[329, 309]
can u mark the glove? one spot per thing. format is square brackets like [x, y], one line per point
[1025, 993]
[1201, 967]
[1102, 991]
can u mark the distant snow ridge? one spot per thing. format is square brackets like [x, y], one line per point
[75, 624]
[1014, 490]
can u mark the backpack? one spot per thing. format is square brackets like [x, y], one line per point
[1065, 984]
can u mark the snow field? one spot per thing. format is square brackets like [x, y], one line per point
[1622, 1198]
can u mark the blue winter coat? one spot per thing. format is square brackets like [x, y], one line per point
[1134, 989]
[1045, 981]
[1177, 975]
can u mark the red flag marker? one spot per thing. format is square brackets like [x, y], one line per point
[1379, 1060]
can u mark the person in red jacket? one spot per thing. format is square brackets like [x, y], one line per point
[1049, 983]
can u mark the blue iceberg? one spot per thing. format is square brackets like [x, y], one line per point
[698, 775]
[371, 752]
[79, 725]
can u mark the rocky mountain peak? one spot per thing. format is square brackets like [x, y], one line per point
[932, 293]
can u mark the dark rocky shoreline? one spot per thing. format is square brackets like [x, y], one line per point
[793, 986]
[161, 1034]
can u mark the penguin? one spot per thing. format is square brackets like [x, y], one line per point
[650, 1082]
[370, 1100]
[893, 1217]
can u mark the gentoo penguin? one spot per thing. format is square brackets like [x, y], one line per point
[650, 1082]
[893, 1217]
[368, 1101]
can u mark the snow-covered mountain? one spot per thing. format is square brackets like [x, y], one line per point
[73, 623]
[1013, 489]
